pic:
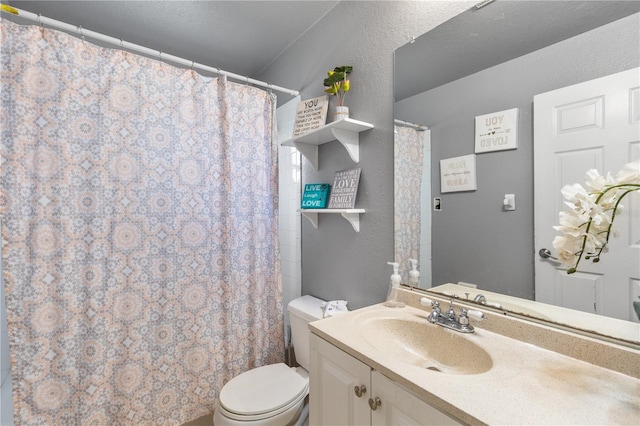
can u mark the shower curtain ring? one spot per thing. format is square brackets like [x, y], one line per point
[80, 30]
[192, 64]
[121, 46]
[40, 21]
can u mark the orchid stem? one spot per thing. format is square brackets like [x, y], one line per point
[628, 187]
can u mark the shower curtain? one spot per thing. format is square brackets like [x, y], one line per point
[140, 238]
[408, 160]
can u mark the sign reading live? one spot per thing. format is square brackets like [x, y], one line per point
[311, 115]
[315, 195]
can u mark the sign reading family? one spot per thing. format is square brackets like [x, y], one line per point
[497, 131]
[311, 115]
[458, 174]
[345, 189]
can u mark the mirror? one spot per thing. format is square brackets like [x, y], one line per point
[460, 70]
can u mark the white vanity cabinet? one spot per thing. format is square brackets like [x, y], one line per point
[334, 400]
[401, 407]
[333, 378]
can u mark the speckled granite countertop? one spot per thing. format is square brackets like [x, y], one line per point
[525, 385]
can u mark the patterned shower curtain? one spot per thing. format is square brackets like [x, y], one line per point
[408, 163]
[140, 245]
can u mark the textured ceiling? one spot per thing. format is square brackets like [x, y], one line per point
[245, 37]
[242, 37]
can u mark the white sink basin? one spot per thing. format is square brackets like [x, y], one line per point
[415, 341]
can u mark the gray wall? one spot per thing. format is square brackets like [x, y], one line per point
[338, 263]
[473, 239]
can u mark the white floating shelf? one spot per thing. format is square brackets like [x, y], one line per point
[352, 215]
[346, 131]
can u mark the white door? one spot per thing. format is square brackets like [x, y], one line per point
[398, 407]
[595, 124]
[340, 387]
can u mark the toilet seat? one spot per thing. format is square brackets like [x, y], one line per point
[263, 392]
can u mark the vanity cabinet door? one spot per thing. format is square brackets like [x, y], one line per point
[400, 407]
[333, 378]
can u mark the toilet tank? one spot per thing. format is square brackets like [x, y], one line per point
[302, 311]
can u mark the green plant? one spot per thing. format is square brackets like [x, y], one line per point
[337, 82]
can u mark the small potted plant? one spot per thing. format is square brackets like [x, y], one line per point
[337, 83]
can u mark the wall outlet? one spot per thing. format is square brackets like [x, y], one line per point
[437, 204]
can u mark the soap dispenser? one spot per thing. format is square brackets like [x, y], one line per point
[414, 274]
[393, 297]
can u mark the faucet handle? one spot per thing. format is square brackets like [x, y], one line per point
[476, 315]
[428, 302]
[451, 313]
[435, 306]
[463, 319]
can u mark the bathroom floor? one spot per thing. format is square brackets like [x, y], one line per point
[202, 421]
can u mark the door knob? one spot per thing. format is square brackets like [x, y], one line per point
[360, 390]
[546, 254]
[375, 403]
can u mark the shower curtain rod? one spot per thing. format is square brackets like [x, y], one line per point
[410, 124]
[42, 20]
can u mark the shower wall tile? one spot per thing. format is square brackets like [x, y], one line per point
[290, 231]
[289, 219]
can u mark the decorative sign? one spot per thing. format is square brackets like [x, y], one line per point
[458, 174]
[497, 131]
[345, 189]
[315, 196]
[311, 115]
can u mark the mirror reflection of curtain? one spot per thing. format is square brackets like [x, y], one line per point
[408, 165]
[139, 233]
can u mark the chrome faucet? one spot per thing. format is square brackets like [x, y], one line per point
[449, 319]
[483, 300]
[480, 298]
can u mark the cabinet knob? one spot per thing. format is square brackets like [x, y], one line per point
[360, 390]
[375, 403]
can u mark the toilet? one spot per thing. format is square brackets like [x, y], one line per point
[274, 394]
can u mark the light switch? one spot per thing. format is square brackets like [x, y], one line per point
[509, 202]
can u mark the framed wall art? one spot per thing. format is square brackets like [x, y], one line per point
[458, 174]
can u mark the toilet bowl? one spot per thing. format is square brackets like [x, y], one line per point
[276, 394]
[270, 395]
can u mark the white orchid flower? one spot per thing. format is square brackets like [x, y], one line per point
[578, 196]
[574, 193]
[629, 174]
[588, 224]
[599, 217]
[571, 223]
[596, 182]
[567, 249]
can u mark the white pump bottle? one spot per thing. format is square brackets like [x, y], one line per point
[393, 297]
[414, 274]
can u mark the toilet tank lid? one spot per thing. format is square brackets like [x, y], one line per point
[306, 307]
